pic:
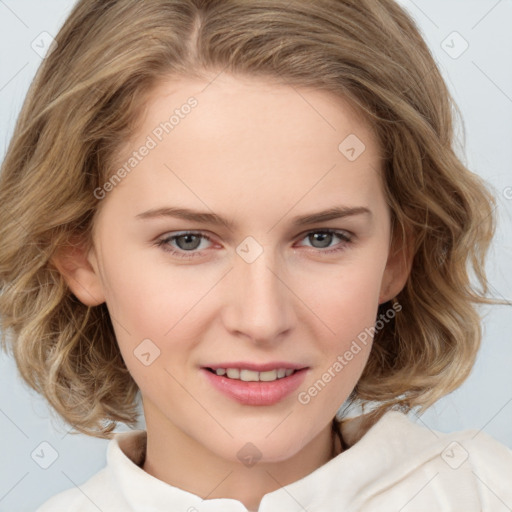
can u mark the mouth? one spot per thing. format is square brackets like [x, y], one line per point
[247, 375]
[251, 384]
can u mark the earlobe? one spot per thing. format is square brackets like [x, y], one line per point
[80, 275]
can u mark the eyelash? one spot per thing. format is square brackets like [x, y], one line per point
[164, 242]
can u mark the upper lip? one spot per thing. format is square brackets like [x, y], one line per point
[263, 367]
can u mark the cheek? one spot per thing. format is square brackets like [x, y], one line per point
[347, 304]
[155, 318]
[346, 300]
[152, 299]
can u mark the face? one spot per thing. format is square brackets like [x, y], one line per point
[254, 282]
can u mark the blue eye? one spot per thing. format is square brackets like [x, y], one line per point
[325, 239]
[188, 242]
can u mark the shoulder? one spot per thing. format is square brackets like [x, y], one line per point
[487, 466]
[477, 448]
[105, 490]
[419, 467]
[467, 466]
[83, 498]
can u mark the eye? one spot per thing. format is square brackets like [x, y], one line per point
[322, 239]
[187, 244]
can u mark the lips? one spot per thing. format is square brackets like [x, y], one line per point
[255, 384]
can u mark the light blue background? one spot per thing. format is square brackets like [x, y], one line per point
[481, 82]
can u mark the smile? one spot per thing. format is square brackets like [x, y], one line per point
[252, 384]
[253, 376]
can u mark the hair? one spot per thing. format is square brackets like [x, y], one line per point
[87, 98]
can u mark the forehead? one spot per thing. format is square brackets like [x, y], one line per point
[252, 140]
[261, 108]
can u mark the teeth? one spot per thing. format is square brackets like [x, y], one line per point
[252, 376]
[233, 373]
[268, 376]
[249, 376]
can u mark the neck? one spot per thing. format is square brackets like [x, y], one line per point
[181, 461]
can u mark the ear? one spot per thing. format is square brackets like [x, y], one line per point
[398, 267]
[74, 264]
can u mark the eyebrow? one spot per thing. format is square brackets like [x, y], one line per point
[337, 212]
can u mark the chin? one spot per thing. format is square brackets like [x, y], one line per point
[252, 445]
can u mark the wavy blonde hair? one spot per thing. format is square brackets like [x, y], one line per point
[87, 98]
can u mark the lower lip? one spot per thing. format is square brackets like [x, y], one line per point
[256, 393]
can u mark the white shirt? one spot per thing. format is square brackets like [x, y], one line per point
[396, 466]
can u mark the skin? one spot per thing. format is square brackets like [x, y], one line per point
[257, 154]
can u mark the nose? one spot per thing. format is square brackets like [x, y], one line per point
[260, 304]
